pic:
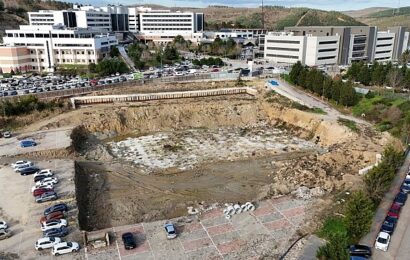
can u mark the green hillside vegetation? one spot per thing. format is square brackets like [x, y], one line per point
[391, 12]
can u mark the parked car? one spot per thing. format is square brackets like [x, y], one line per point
[21, 163]
[47, 180]
[4, 233]
[394, 211]
[40, 191]
[27, 143]
[57, 207]
[358, 257]
[401, 198]
[56, 232]
[129, 241]
[51, 187]
[387, 227]
[47, 196]
[28, 170]
[53, 223]
[45, 172]
[360, 250]
[7, 134]
[170, 230]
[22, 166]
[39, 178]
[382, 241]
[405, 188]
[65, 248]
[3, 224]
[54, 215]
[46, 242]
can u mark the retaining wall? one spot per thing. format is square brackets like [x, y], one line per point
[75, 101]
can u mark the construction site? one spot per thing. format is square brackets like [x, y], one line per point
[183, 158]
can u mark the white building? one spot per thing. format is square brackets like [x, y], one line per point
[384, 47]
[49, 46]
[163, 25]
[282, 47]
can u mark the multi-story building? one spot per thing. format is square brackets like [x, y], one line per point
[355, 43]
[163, 25]
[285, 47]
[47, 46]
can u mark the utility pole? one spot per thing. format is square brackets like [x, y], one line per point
[263, 17]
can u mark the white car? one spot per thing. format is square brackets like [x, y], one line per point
[382, 241]
[45, 172]
[45, 186]
[48, 181]
[19, 163]
[53, 223]
[65, 247]
[408, 176]
[3, 224]
[47, 242]
[20, 166]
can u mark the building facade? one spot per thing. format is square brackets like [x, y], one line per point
[285, 47]
[49, 46]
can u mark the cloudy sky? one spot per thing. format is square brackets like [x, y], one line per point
[319, 4]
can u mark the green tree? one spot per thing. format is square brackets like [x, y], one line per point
[295, 72]
[359, 212]
[92, 67]
[335, 247]
[377, 74]
[364, 75]
[405, 57]
[114, 52]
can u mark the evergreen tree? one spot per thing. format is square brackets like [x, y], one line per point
[295, 72]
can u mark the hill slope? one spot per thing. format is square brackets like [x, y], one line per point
[276, 17]
[387, 17]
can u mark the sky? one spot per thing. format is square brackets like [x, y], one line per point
[339, 5]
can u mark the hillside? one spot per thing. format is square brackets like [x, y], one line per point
[13, 12]
[364, 12]
[385, 18]
[276, 17]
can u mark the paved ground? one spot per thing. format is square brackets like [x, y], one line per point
[46, 140]
[399, 247]
[212, 236]
[304, 98]
[18, 208]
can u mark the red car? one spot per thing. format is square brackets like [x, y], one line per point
[39, 191]
[215, 70]
[394, 211]
[54, 215]
[93, 82]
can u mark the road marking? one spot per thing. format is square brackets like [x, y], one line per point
[149, 244]
[217, 249]
[116, 243]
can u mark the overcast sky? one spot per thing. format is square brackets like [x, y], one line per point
[319, 4]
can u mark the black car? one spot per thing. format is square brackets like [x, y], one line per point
[40, 177]
[401, 198]
[360, 250]
[56, 232]
[57, 207]
[129, 241]
[388, 227]
[28, 170]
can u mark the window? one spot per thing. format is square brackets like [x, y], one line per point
[41, 52]
[282, 56]
[283, 41]
[327, 42]
[326, 58]
[282, 49]
[42, 60]
[327, 50]
[32, 60]
[31, 52]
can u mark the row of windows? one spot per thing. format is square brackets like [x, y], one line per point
[98, 20]
[46, 35]
[283, 41]
[166, 29]
[327, 42]
[326, 58]
[384, 45]
[33, 51]
[38, 20]
[383, 58]
[327, 50]
[165, 15]
[99, 25]
[381, 52]
[72, 45]
[162, 25]
[97, 15]
[41, 15]
[385, 38]
[167, 20]
[282, 56]
[75, 60]
[76, 52]
[282, 49]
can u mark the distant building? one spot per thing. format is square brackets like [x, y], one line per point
[44, 47]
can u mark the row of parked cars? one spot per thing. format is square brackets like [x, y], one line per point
[390, 222]
[53, 223]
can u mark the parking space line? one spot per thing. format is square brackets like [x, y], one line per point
[219, 252]
[291, 223]
[116, 243]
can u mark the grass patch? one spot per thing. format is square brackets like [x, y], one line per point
[317, 110]
[348, 123]
[332, 225]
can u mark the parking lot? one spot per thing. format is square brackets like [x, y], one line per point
[46, 140]
[18, 209]
[211, 235]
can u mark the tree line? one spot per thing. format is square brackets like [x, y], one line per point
[314, 80]
[396, 77]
